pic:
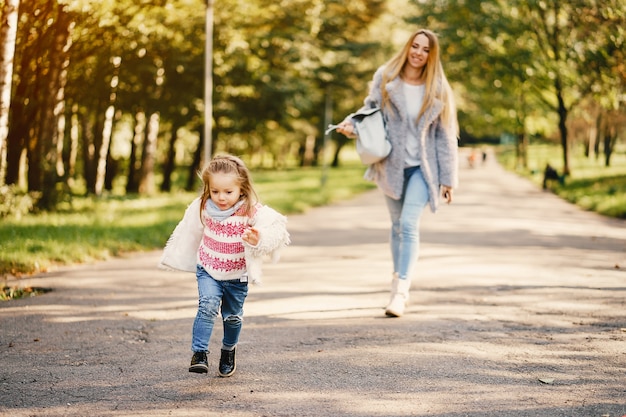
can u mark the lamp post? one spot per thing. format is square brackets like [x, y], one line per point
[208, 81]
[328, 119]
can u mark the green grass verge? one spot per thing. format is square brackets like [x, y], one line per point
[98, 228]
[591, 185]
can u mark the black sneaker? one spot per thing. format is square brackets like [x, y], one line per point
[199, 363]
[227, 363]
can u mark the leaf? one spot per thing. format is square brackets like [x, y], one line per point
[548, 381]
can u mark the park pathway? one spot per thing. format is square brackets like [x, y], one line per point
[517, 309]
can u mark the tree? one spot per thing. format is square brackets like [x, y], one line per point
[8, 34]
[485, 55]
[271, 71]
[36, 107]
[603, 23]
[533, 51]
[115, 87]
[145, 62]
[559, 63]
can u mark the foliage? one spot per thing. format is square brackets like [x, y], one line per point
[14, 202]
[112, 92]
[128, 79]
[522, 66]
[272, 72]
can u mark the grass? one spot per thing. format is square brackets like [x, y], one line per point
[591, 185]
[99, 228]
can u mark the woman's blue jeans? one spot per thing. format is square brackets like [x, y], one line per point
[405, 220]
[212, 293]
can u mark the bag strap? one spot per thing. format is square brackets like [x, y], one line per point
[361, 114]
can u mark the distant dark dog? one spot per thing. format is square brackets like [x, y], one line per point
[551, 174]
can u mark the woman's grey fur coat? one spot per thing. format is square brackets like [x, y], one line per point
[438, 146]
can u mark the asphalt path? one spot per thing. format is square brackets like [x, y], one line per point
[517, 309]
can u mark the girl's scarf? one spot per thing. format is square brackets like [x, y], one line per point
[215, 213]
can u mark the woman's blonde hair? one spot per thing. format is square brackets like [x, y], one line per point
[229, 164]
[436, 84]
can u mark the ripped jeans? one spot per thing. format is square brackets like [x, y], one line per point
[405, 217]
[212, 293]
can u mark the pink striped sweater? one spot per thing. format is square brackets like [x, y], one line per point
[219, 247]
[221, 252]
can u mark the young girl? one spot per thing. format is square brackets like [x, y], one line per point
[223, 237]
[420, 114]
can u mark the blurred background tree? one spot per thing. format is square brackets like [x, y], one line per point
[107, 96]
[527, 65]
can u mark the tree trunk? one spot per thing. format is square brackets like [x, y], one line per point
[610, 138]
[307, 151]
[96, 136]
[88, 151]
[340, 144]
[146, 181]
[8, 33]
[592, 138]
[103, 152]
[59, 133]
[195, 165]
[596, 145]
[52, 107]
[23, 113]
[132, 183]
[521, 149]
[170, 160]
[111, 164]
[17, 134]
[562, 112]
[70, 161]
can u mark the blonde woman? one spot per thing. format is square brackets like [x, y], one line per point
[420, 116]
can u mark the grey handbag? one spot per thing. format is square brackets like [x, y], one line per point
[372, 144]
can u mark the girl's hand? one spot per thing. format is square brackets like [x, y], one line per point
[251, 236]
[446, 193]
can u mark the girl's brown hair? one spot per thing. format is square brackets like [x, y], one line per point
[435, 81]
[229, 164]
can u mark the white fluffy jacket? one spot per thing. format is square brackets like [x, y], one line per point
[181, 251]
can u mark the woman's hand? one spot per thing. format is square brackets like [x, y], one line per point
[446, 193]
[346, 128]
[251, 236]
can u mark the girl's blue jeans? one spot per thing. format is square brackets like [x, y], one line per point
[211, 294]
[405, 220]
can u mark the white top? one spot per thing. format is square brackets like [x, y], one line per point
[414, 96]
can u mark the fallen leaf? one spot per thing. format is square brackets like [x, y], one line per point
[548, 381]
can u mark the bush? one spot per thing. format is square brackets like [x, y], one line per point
[16, 203]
